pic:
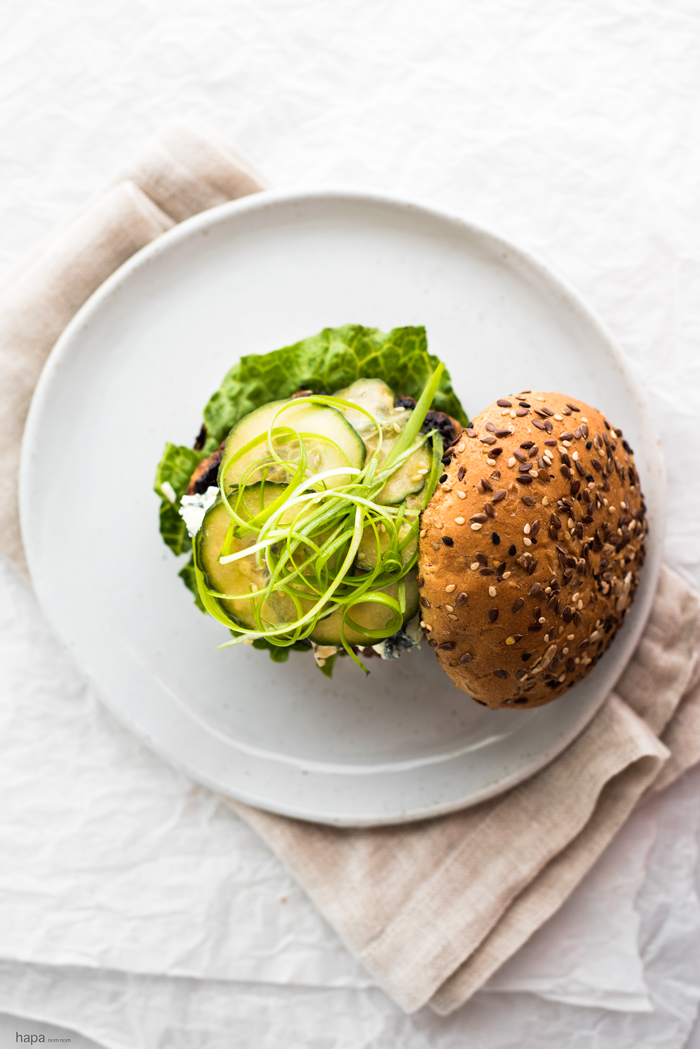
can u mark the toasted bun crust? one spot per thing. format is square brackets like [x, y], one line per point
[526, 579]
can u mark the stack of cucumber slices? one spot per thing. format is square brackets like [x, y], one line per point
[313, 533]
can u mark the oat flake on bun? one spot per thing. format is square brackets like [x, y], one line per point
[530, 549]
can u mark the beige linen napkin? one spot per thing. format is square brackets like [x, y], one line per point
[431, 908]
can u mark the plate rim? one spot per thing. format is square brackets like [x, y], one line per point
[267, 200]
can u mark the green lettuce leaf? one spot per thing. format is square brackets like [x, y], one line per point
[187, 575]
[277, 654]
[175, 469]
[328, 361]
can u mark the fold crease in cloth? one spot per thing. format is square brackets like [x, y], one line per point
[431, 908]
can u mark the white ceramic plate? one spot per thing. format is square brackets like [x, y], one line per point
[135, 368]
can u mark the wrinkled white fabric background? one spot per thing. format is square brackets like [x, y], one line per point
[133, 909]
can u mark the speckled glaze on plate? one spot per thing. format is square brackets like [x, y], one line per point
[135, 368]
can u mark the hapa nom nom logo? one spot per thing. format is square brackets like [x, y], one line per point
[32, 1039]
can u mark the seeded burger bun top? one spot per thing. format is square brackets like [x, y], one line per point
[530, 549]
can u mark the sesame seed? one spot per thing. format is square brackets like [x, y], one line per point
[475, 566]
[461, 446]
[450, 542]
[504, 412]
[396, 427]
[495, 538]
[511, 461]
[512, 413]
[450, 615]
[449, 608]
[423, 533]
[450, 587]
[558, 417]
[492, 591]
[491, 462]
[476, 527]
[507, 575]
[462, 495]
[459, 520]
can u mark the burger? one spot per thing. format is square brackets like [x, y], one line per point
[338, 502]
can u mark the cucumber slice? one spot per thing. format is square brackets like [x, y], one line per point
[237, 577]
[408, 479]
[367, 550]
[368, 614]
[329, 439]
[376, 397]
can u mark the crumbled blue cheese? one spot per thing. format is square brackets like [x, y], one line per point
[168, 491]
[193, 508]
[408, 637]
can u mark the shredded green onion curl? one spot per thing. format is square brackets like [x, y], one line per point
[307, 539]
